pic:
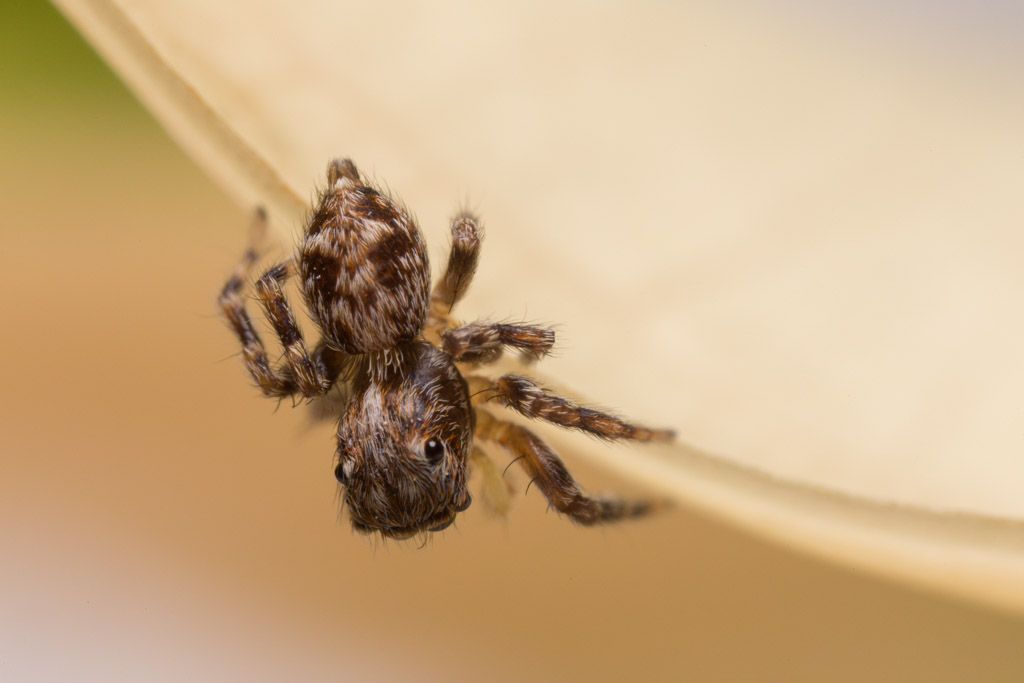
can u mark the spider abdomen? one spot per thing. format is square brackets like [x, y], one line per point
[364, 266]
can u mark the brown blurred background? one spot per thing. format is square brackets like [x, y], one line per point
[159, 521]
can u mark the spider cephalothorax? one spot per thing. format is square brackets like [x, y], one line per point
[403, 444]
[409, 421]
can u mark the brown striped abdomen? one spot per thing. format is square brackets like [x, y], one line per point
[364, 267]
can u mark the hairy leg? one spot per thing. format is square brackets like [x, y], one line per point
[462, 260]
[278, 382]
[483, 342]
[310, 376]
[524, 395]
[551, 476]
[458, 274]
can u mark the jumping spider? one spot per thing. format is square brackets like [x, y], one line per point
[413, 403]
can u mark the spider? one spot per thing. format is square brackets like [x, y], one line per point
[413, 401]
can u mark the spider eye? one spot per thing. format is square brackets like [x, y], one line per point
[340, 474]
[434, 450]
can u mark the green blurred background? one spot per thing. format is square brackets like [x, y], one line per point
[158, 522]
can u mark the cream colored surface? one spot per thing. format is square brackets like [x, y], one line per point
[803, 255]
[159, 521]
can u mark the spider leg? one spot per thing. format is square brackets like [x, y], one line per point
[272, 382]
[462, 261]
[339, 367]
[496, 491]
[525, 396]
[309, 373]
[551, 476]
[483, 342]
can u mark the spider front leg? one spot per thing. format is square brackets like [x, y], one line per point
[551, 476]
[309, 376]
[525, 396]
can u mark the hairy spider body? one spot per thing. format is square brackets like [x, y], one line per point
[364, 267]
[406, 431]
